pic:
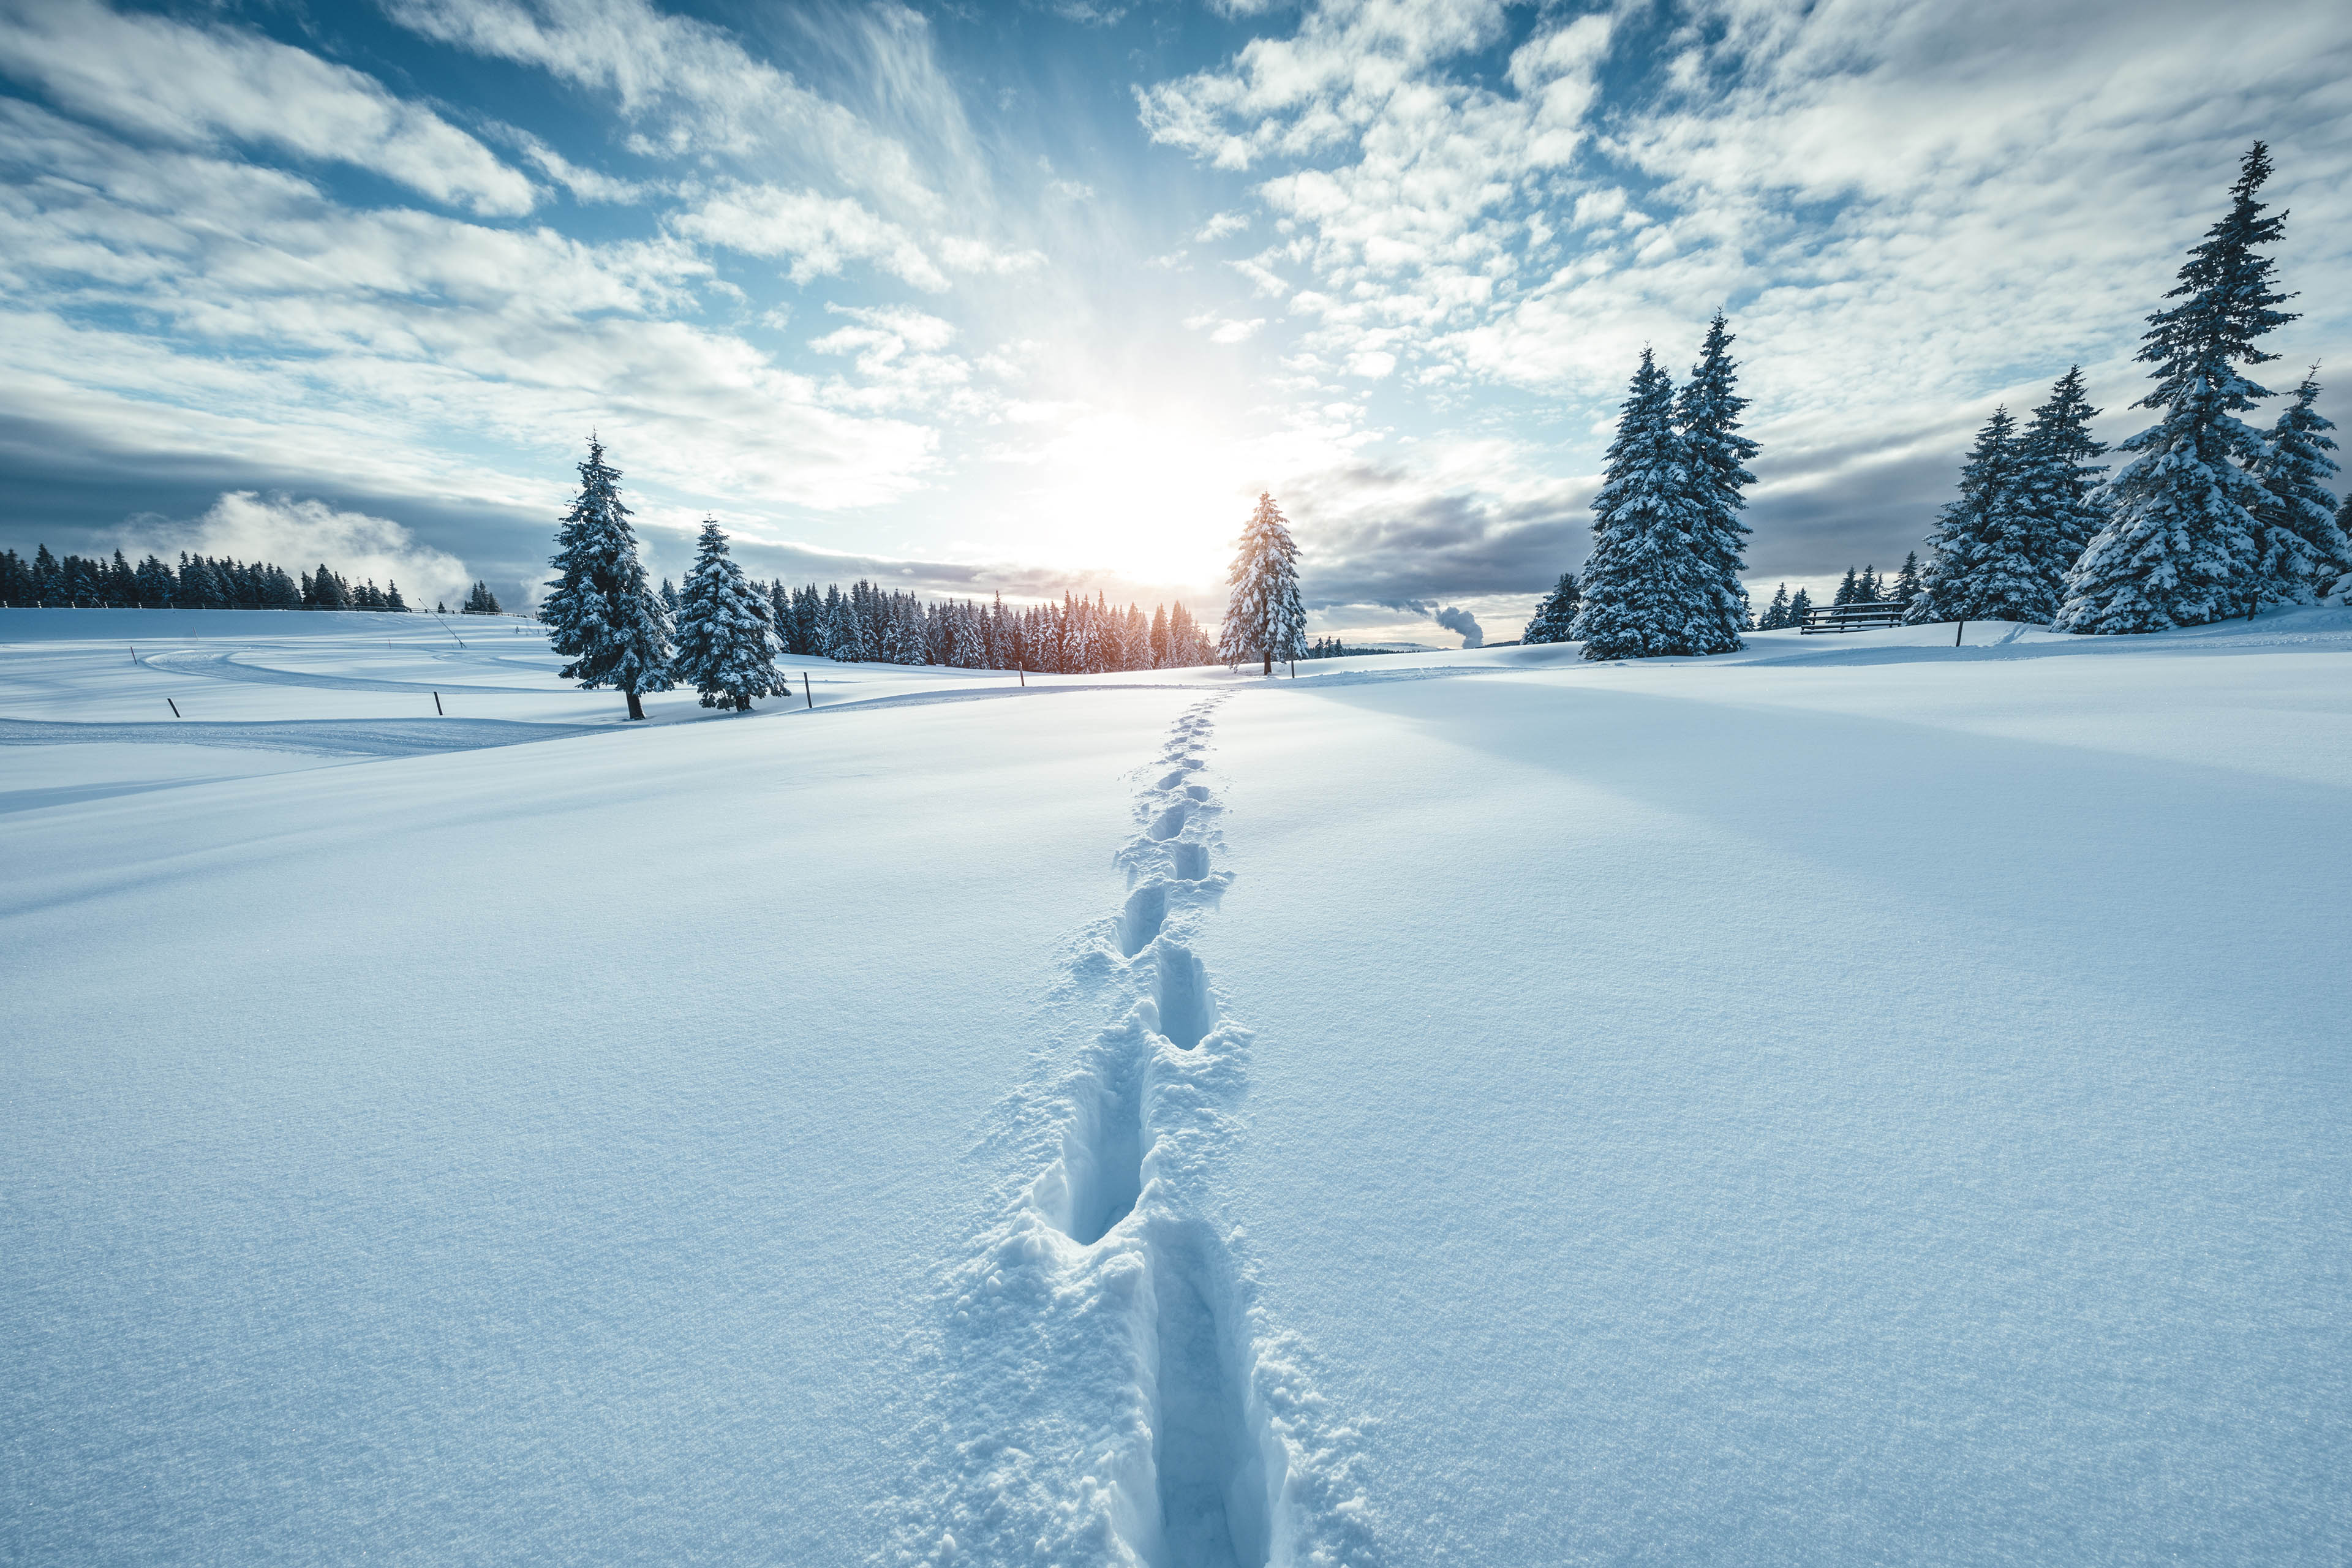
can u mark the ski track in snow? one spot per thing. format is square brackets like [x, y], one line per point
[1109, 1390]
[315, 737]
[229, 667]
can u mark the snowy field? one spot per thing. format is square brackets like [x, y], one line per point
[1859, 1100]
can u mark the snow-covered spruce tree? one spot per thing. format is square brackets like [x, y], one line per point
[1716, 457]
[1984, 561]
[2342, 589]
[2300, 551]
[2179, 546]
[1845, 590]
[2058, 484]
[726, 643]
[1776, 614]
[1800, 607]
[1555, 616]
[1906, 587]
[1647, 591]
[1264, 619]
[600, 611]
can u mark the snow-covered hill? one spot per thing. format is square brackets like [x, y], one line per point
[1857, 1101]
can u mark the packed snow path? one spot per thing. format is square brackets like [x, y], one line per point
[1111, 1391]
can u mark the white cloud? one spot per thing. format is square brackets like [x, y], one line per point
[697, 90]
[199, 86]
[976, 255]
[195, 309]
[301, 534]
[1223, 329]
[817, 234]
[900, 355]
[585, 184]
[1222, 225]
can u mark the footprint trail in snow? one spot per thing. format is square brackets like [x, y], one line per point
[1111, 1391]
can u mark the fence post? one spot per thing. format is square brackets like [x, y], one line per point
[1959, 634]
[175, 708]
[436, 706]
[806, 695]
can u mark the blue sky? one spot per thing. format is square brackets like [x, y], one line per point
[1033, 297]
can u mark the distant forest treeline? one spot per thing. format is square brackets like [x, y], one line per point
[1079, 637]
[198, 583]
[867, 624]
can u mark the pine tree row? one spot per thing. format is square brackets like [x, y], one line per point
[721, 633]
[198, 583]
[871, 625]
[1667, 542]
[2210, 517]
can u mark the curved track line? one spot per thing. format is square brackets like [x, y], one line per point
[229, 667]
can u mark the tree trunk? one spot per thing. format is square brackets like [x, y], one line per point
[636, 709]
[1269, 659]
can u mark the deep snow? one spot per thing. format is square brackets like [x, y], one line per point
[1857, 1101]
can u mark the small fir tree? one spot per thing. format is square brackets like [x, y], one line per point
[726, 642]
[1907, 589]
[2179, 548]
[1984, 559]
[599, 610]
[2299, 550]
[2058, 483]
[1715, 459]
[2342, 587]
[1800, 607]
[1845, 590]
[322, 591]
[1264, 617]
[1555, 616]
[1775, 617]
[1647, 592]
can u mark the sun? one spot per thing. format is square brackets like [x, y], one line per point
[1150, 499]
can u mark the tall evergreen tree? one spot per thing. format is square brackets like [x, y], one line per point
[1775, 617]
[2058, 483]
[726, 643]
[2299, 550]
[1264, 617]
[1800, 607]
[599, 610]
[1555, 615]
[1715, 458]
[1845, 590]
[1646, 590]
[1985, 562]
[2180, 546]
[1865, 587]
